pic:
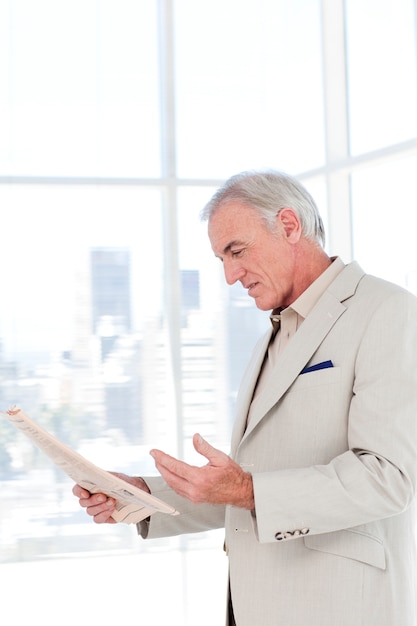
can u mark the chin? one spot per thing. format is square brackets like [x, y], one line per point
[262, 306]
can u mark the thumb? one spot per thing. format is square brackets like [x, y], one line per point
[215, 456]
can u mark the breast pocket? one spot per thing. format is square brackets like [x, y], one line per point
[328, 376]
[314, 414]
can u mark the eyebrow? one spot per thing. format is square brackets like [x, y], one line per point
[229, 246]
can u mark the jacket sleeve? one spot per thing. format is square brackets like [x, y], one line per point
[192, 518]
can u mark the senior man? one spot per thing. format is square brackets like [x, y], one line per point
[317, 496]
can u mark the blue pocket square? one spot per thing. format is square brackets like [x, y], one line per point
[318, 366]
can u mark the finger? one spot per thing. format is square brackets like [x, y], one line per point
[104, 517]
[80, 492]
[160, 456]
[170, 464]
[215, 456]
[165, 460]
[99, 500]
[104, 509]
[173, 476]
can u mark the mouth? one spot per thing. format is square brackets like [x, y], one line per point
[251, 287]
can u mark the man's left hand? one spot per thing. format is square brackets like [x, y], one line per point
[220, 481]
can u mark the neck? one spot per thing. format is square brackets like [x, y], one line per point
[310, 263]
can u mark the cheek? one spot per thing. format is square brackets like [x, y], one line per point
[280, 290]
[276, 277]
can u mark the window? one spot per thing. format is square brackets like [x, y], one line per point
[381, 72]
[117, 331]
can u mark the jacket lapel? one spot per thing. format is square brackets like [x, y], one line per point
[292, 360]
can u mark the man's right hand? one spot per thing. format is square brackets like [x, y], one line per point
[99, 506]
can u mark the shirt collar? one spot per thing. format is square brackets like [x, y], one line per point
[306, 301]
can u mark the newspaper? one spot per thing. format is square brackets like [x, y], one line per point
[132, 504]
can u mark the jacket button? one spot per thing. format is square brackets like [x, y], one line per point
[280, 536]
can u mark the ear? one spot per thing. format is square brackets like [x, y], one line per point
[290, 222]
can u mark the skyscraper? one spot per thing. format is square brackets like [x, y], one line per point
[111, 297]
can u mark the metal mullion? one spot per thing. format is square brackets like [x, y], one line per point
[415, 33]
[81, 181]
[172, 289]
[352, 163]
[336, 127]
[109, 180]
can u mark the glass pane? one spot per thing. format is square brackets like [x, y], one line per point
[83, 351]
[248, 86]
[121, 589]
[317, 188]
[79, 90]
[215, 319]
[383, 220]
[381, 72]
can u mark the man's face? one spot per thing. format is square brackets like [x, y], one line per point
[261, 259]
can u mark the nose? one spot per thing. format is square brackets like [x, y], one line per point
[232, 272]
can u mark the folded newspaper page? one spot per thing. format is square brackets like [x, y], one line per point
[132, 504]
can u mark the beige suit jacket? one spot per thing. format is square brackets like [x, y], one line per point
[333, 454]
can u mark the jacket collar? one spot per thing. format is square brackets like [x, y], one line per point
[292, 360]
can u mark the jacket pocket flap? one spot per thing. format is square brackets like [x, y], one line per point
[351, 544]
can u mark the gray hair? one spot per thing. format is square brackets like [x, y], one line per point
[268, 192]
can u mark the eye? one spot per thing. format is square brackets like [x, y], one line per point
[237, 253]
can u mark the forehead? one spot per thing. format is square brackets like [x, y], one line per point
[233, 222]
